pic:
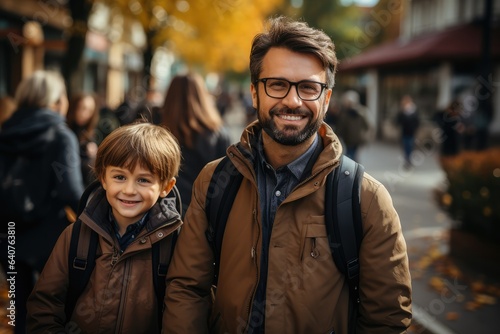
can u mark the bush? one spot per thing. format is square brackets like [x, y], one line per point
[472, 196]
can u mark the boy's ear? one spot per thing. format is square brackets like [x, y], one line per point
[167, 187]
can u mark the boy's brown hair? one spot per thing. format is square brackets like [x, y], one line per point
[151, 146]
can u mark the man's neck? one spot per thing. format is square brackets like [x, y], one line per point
[278, 155]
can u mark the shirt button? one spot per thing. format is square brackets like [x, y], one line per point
[160, 234]
[278, 193]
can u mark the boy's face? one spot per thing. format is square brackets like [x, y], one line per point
[132, 193]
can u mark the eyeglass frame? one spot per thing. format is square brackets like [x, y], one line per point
[292, 83]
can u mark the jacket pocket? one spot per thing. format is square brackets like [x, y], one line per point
[314, 240]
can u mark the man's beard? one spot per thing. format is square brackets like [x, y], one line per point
[291, 135]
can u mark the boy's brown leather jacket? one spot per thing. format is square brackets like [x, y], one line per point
[120, 296]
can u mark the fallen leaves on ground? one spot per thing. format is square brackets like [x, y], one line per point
[445, 269]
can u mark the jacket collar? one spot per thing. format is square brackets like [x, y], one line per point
[332, 148]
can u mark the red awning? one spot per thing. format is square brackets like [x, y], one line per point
[455, 44]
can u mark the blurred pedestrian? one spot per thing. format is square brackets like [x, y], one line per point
[82, 119]
[127, 110]
[223, 100]
[107, 123]
[150, 108]
[40, 173]
[408, 120]
[7, 107]
[190, 114]
[452, 127]
[352, 124]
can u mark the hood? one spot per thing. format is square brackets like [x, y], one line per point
[29, 131]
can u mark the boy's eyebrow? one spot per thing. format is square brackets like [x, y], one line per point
[121, 170]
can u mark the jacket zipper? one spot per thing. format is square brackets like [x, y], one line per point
[115, 256]
[253, 255]
[124, 285]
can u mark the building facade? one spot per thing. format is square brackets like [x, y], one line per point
[447, 50]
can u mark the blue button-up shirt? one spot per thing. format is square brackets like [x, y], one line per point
[274, 186]
[131, 232]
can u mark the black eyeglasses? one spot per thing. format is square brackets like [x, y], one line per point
[279, 88]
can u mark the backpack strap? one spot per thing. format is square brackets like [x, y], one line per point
[161, 255]
[81, 263]
[224, 186]
[344, 226]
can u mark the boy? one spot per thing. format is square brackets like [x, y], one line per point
[136, 165]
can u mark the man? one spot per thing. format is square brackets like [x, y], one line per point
[352, 124]
[276, 272]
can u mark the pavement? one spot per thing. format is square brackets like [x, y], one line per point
[449, 297]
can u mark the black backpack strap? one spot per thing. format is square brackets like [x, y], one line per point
[175, 193]
[221, 193]
[344, 226]
[81, 262]
[161, 255]
[86, 196]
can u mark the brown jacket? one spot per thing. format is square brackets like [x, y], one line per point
[119, 297]
[305, 294]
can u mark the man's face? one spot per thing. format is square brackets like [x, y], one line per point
[290, 120]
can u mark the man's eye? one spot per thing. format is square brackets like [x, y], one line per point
[309, 87]
[278, 85]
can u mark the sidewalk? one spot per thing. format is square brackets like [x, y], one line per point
[448, 296]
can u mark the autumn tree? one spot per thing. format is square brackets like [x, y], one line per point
[214, 35]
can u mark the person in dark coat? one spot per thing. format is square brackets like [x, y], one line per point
[409, 122]
[82, 119]
[352, 124]
[452, 127]
[37, 132]
[189, 112]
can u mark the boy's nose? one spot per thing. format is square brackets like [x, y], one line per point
[129, 187]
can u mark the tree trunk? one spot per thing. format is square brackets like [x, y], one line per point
[80, 11]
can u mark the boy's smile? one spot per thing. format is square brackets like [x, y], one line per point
[131, 193]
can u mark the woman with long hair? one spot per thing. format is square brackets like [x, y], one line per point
[82, 118]
[189, 112]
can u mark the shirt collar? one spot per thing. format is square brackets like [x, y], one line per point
[296, 167]
[137, 226]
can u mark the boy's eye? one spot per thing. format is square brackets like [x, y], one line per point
[142, 180]
[119, 177]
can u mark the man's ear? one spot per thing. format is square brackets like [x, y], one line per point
[253, 91]
[167, 187]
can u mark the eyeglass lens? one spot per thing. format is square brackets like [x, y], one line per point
[279, 88]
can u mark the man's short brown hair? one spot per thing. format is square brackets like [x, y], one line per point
[295, 36]
[151, 146]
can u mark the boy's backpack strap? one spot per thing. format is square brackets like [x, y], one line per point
[161, 255]
[344, 226]
[221, 193]
[86, 196]
[81, 262]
